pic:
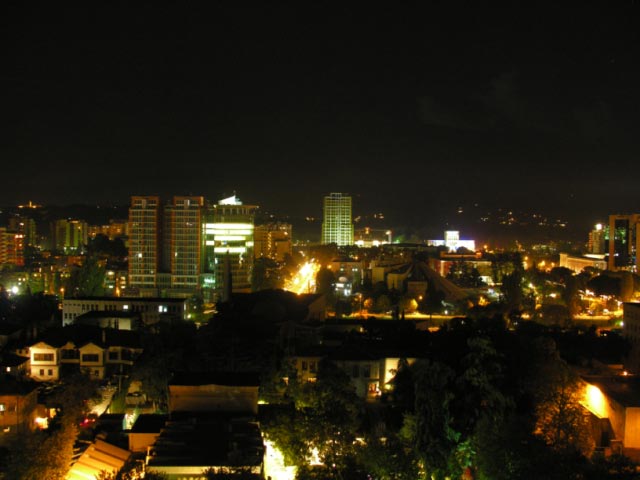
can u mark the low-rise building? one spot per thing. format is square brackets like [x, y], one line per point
[18, 407]
[229, 392]
[615, 403]
[578, 264]
[151, 310]
[370, 373]
[14, 365]
[190, 445]
[110, 319]
[98, 352]
[146, 431]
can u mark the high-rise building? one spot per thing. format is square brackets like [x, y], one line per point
[11, 247]
[229, 243]
[26, 226]
[624, 242]
[144, 243]
[182, 243]
[273, 240]
[69, 235]
[596, 244]
[337, 226]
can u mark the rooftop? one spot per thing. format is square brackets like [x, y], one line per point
[230, 379]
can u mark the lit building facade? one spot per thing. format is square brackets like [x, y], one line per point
[372, 237]
[25, 226]
[273, 240]
[596, 243]
[624, 242]
[182, 243]
[228, 247]
[115, 229]
[144, 242]
[453, 242]
[69, 236]
[337, 224]
[11, 247]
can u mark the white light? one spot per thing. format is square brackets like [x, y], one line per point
[230, 226]
[14, 290]
[229, 249]
[229, 238]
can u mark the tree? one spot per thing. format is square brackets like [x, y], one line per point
[323, 418]
[132, 470]
[47, 454]
[87, 280]
[325, 280]
[512, 290]
[430, 428]
[265, 274]
[560, 419]
[386, 457]
[382, 304]
[432, 299]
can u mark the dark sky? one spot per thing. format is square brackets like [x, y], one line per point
[408, 109]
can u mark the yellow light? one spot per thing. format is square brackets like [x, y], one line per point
[42, 422]
[595, 401]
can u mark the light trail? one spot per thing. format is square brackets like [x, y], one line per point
[304, 281]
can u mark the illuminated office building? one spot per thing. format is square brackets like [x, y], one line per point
[229, 244]
[624, 242]
[337, 226]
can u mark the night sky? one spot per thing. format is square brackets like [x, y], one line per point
[408, 109]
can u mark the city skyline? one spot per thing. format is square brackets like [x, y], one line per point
[410, 110]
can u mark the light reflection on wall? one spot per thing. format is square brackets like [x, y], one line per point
[594, 400]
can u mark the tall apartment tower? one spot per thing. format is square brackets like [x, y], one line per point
[26, 227]
[11, 247]
[624, 242]
[337, 226]
[144, 243]
[182, 243]
[229, 239]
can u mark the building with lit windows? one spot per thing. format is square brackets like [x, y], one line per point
[596, 242]
[624, 242]
[18, 408]
[453, 242]
[368, 237]
[115, 229]
[228, 247]
[182, 244]
[69, 236]
[151, 310]
[144, 243]
[11, 247]
[337, 224]
[273, 240]
[25, 226]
